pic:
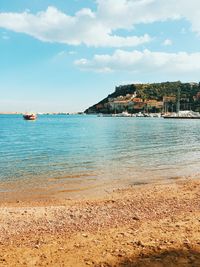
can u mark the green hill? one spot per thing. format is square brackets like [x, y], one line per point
[154, 97]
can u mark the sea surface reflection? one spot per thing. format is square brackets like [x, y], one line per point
[85, 151]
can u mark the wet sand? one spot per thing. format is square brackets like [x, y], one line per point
[144, 225]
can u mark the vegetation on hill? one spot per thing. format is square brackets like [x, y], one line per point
[143, 97]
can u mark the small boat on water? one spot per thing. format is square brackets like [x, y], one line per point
[123, 114]
[139, 115]
[30, 116]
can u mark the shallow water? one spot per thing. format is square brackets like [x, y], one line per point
[79, 152]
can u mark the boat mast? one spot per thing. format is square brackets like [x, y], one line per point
[178, 100]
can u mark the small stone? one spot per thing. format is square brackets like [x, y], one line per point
[77, 245]
[136, 218]
[88, 262]
[84, 235]
[139, 243]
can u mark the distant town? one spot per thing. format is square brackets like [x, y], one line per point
[150, 98]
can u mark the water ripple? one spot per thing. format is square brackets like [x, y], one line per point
[69, 147]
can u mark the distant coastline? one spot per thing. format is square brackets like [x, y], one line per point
[43, 113]
[11, 113]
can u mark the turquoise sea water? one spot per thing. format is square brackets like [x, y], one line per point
[83, 151]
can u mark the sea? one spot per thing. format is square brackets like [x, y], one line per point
[77, 153]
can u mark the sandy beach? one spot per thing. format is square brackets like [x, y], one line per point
[145, 225]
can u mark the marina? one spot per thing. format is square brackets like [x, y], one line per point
[186, 114]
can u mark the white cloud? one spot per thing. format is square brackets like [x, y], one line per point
[97, 28]
[64, 53]
[145, 62]
[167, 42]
[128, 13]
[55, 26]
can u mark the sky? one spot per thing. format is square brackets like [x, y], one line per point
[64, 56]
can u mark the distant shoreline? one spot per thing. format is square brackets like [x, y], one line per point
[43, 113]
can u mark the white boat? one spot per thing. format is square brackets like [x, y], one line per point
[140, 114]
[123, 114]
[184, 114]
[152, 115]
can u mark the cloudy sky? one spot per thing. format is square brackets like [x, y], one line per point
[58, 55]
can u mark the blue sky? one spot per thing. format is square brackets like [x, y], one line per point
[67, 55]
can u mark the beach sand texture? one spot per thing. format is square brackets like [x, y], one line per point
[145, 225]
